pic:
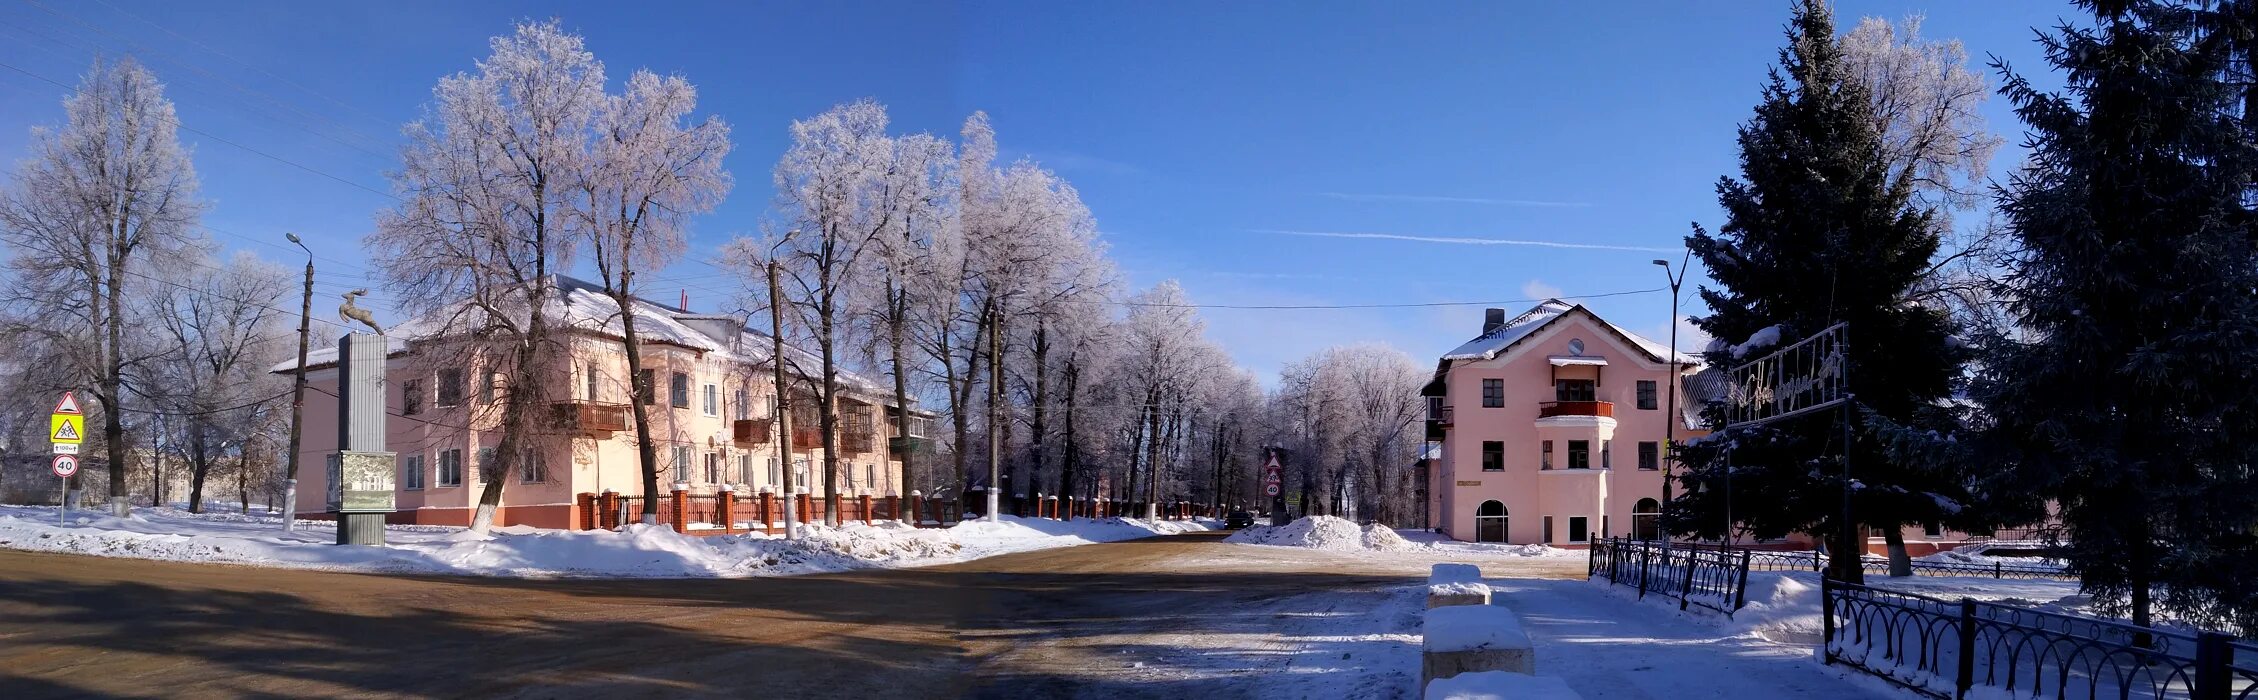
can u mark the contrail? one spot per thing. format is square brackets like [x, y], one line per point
[1467, 241]
[1357, 197]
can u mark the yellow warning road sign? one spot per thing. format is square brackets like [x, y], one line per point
[67, 428]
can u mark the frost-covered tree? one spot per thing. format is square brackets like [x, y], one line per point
[96, 202]
[2131, 401]
[1824, 226]
[220, 327]
[649, 169]
[844, 191]
[488, 192]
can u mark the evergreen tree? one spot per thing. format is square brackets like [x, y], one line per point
[1821, 229]
[2131, 399]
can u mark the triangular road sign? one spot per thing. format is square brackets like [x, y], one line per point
[69, 404]
[68, 430]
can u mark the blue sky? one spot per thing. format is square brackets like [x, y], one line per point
[1195, 131]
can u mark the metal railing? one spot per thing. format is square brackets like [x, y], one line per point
[1711, 578]
[1944, 649]
[1771, 560]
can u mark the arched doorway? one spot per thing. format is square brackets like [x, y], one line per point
[1489, 522]
[1646, 520]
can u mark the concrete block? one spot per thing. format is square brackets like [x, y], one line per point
[1500, 685]
[1472, 639]
[1461, 593]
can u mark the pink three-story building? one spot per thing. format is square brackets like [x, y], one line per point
[1551, 427]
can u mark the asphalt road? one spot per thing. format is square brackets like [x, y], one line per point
[1033, 625]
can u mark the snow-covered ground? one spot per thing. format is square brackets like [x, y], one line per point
[1783, 606]
[638, 551]
[1335, 534]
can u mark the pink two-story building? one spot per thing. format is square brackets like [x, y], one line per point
[1552, 427]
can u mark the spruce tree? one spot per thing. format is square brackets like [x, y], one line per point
[1820, 229]
[2130, 400]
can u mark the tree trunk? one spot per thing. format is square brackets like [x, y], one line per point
[1071, 459]
[895, 335]
[1041, 400]
[784, 464]
[1152, 456]
[639, 392]
[199, 468]
[1901, 563]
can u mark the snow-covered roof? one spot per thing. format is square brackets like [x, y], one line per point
[322, 357]
[1490, 344]
[1576, 360]
[583, 306]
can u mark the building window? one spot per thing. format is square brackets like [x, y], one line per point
[486, 388]
[646, 386]
[681, 463]
[450, 387]
[745, 469]
[451, 467]
[1646, 394]
[1548, 529]
[1493, 393]
[591, 379]
[1606, 454]
[1646, 520]
[1932, 530]
[1579, 454]
[485, 461]
[870, 475]
[1578, 529]
[1545, 462]
[713, 468]
[775, 475]
[1575, 390]
[1650, 455]
[1489, 522]
[744, 404]
[530, 468]
[1493, 455]
[678, 394]
[411, 473]
[411, 397]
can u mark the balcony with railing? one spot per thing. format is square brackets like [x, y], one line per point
[747, 432]
[1438, 420]
[588, 418]
[1559, 409]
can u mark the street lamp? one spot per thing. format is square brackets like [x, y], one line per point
[297, 394]
[1670, 416]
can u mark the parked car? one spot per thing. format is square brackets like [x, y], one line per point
[1238, 519]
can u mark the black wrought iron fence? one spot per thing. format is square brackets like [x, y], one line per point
[1711, 578]
[1944, 649]
[1769, 560]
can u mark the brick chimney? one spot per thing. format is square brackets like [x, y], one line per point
[1492, 319]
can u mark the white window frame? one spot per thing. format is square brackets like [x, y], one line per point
[712, 400]
[450, 464]
[681, 471]
[411, 473]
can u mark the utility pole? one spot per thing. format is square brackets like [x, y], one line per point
[297, 395]
[1670, 417]
[995, 411]
[783, 405]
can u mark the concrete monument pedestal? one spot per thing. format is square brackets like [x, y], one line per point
[361, 472]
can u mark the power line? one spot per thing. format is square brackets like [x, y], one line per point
[254, 402]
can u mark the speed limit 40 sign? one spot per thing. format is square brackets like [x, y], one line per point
[66, 465]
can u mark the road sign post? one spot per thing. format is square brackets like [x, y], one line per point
[1273, 480]
[66, 428]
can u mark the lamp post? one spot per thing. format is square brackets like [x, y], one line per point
[297, 394]
[1670, 416]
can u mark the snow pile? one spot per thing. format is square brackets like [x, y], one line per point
[1328, 533]
[1499, 685]
[635, 551]
[1451, 588]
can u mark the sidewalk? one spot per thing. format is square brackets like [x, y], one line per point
[1608, 649]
